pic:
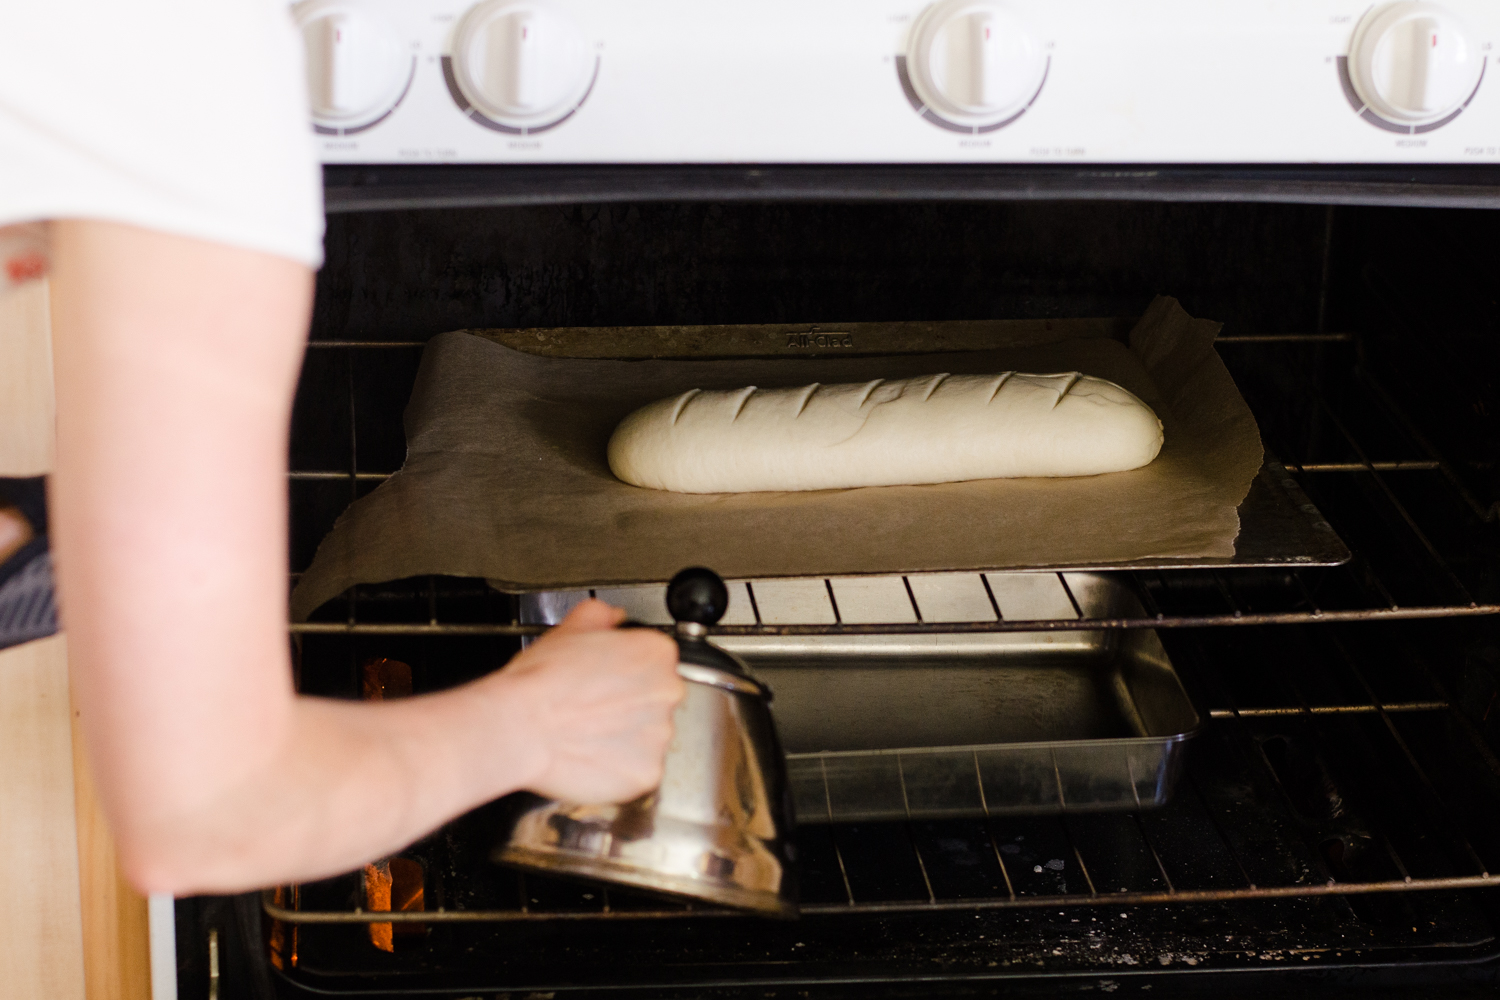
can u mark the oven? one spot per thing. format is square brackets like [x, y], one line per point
[1317, 809]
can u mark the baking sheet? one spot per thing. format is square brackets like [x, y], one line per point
[506, 476]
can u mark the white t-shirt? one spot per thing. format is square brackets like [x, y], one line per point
[185, 116]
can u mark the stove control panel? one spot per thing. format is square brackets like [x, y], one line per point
[903, 81]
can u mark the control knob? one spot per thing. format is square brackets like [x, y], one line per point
[974, 62]
[1413, 62]
[356, 69]
[521, 62]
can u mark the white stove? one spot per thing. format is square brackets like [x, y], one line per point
[902, 81]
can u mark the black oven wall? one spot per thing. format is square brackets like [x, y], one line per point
[408, 275]
[1422, 287]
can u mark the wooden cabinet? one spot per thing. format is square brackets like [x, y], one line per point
[71, 928]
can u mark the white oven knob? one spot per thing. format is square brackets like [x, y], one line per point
[356, 67]
[521, 62]
[974, 62]
[1412, 62]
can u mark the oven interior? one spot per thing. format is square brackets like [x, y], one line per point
[1339, 811]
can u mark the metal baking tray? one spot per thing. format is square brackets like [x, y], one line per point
[1279, 525]
[931, 726]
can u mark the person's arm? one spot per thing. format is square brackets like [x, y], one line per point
[175, 365]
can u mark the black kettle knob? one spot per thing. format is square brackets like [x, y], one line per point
[697, 595]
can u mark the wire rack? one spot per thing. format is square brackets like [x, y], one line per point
[1325, 795]
[1280, 798]
[1405, 511]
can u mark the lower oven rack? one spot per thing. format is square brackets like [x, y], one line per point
[1230, 726]
[1422, 549]
[276, 911]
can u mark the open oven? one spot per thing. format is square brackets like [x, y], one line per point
[1276, 773]
[1333, 825]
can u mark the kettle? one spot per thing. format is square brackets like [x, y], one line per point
[718, 827]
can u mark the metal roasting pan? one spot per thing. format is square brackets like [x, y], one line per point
[879, 727]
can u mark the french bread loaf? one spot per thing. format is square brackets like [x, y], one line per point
[932, 429]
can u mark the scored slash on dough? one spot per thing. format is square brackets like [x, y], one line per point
[740, 406]
[1072, 381]
[807, 394]
[869, 388]
[999, 383]
[937, 380]
[684, 400]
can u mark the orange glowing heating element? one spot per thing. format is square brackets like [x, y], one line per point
[283, 937]
[395, 884]
[382, 678]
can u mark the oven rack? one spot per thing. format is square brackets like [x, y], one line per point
[1423, 547]
[1412, 523]
[285, 914]
[1251, 820]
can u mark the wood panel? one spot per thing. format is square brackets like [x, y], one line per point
[116, 934]
[72, 929]
[41, 932]
[27, 417]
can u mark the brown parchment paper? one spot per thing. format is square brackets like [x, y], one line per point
[506, 476]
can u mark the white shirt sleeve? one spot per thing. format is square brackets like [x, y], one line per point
[185, 116]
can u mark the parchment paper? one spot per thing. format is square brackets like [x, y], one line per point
[506, 476]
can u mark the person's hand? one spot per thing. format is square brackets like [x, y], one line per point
[595, 705]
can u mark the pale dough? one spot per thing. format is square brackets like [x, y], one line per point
[932, 429]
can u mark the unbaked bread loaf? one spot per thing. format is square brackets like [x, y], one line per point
[933, 429]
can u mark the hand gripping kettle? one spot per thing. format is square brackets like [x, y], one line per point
[718, 827]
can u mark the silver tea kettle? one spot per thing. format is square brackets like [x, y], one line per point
[718, 827]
